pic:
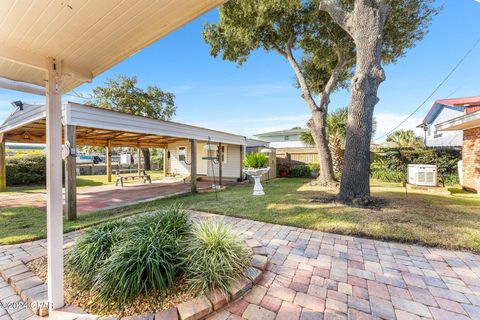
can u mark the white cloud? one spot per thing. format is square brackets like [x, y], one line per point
[387, 121]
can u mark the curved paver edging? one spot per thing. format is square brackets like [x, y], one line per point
[34, 291]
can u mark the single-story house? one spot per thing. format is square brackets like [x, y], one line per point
[469, 124]
[444, 110]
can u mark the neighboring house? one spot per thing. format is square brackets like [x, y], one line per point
[469, 124]
[284, 139]
[444, 110]
[255, 145]
[288, 145]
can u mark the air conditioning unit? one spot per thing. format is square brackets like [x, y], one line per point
[422, 175]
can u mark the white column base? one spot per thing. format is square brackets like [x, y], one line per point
[258, 188]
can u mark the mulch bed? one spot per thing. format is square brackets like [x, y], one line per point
[86, 299]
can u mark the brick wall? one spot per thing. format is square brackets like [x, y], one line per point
[471, 159]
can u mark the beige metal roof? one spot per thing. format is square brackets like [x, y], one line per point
[88, 36]
[95, 127]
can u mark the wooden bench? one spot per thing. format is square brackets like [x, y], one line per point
[120, 179]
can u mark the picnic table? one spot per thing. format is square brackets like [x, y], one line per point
[120, 179]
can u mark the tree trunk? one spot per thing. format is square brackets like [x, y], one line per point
[317, 126]
[318, 123]
[146, 159]
[366, 27]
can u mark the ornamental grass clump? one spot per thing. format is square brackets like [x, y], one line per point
[213, 257]
[141, 258]
[146, 261]
[92, 249]
[255, 160]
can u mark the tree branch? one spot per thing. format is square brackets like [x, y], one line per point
[306, 94]
[335, 10]
[333, 80]
[280, 51]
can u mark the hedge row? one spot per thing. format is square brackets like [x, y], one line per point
[25, 170]
[298, 170]
[391, 165]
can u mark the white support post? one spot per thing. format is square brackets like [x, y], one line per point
[54, 186]
[3, 164]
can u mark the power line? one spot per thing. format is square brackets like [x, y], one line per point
[434, 91]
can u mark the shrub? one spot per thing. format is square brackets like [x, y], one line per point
[398, 159]
[299, 171]
[213, 257]
[314, 167]
[388, 175]
[123, 260]
[29, 169]
[255, 160]
[92, 249]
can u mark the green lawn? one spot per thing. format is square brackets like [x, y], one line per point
[449, 221]
[84, 181]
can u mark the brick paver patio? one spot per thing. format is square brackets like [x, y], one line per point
[315, 275]
[105, 197]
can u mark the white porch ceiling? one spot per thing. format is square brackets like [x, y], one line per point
[88, 36]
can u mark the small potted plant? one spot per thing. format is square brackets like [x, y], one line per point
[255, 166]
[314, 169]
[283, 169]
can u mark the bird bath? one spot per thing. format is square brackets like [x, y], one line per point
[256, 173]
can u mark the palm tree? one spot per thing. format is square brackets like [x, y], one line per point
[336, 131]
[307, 138]
[406, 139]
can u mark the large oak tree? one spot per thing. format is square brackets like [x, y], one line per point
[123, 94]
[382, 31]
[318, 51]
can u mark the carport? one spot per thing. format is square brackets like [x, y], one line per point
[91, 126]
[51, 47]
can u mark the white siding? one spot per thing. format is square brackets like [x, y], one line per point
[177, 166]
[281, 138]
[288, 144]
[437, 138]
[230, 169]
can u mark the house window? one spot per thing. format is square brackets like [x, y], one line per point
[224, 153]
[286, 138]
[182, 154]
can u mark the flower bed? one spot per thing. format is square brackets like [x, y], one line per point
[156, 262]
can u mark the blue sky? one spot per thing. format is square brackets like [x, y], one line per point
[259, 95]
